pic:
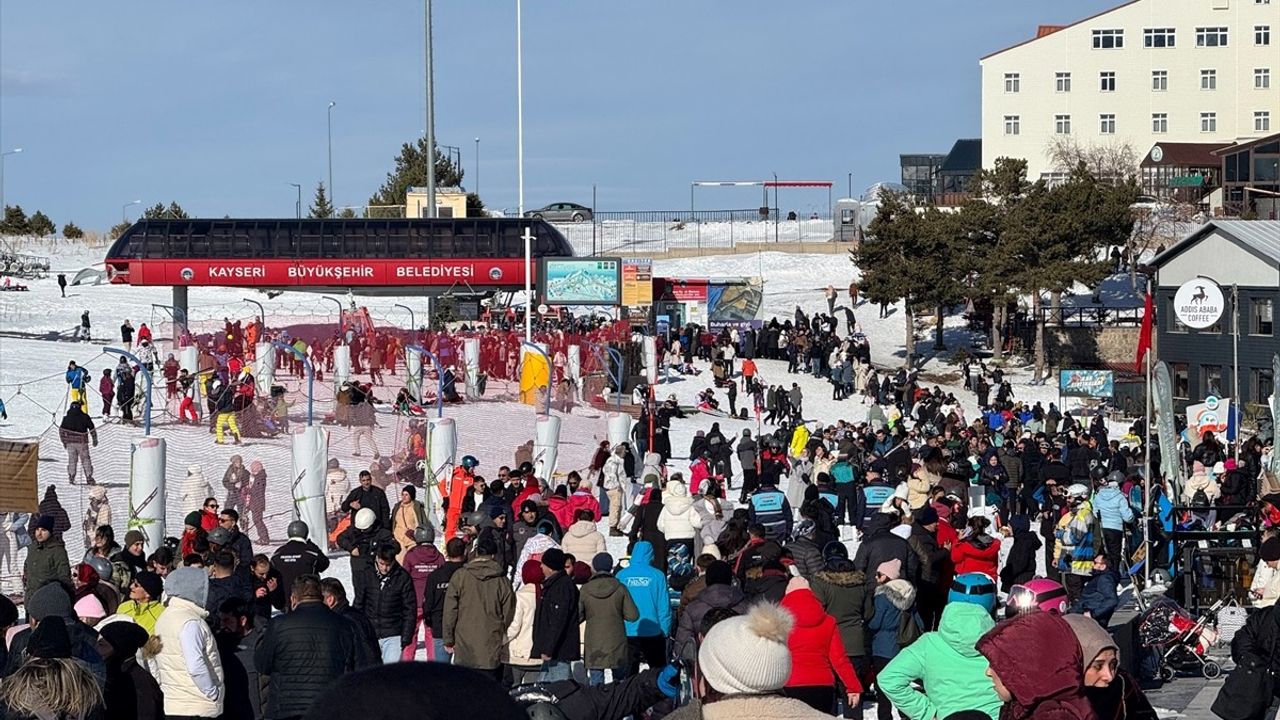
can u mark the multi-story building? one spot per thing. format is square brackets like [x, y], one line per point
[1147, 71]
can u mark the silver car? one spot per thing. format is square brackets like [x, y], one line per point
[561, 212]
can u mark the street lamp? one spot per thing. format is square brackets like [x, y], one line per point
[528, 236]
[14, 151]
[337, 302]
[332, 201]
[477, 166]
[125, 209]
[298, 205]
[429, 70]
[776, 210]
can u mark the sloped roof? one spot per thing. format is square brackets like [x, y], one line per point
[1260, 236]
[1235, 147]
[1187, 154]
[1041, 34]
[965, 157]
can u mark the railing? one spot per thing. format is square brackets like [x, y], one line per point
[1091, 316]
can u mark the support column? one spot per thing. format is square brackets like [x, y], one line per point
[180, 314]
[147, 490]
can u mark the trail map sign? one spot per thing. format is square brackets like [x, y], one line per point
[1086, 383]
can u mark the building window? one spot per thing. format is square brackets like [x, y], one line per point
[1211, 37]
[1012, 82]
[1261, 34]
[1208, 122]
[1211, 380]
[1108, 124]
[1158, 37]
[1062, 82]
[1181, 381]
[1109, 39]
[1208, 79]
[1062, 124]
[1262, 78]
[1107, 81]
[1012, 125]
[1262, 121]
[1261, 324]
[1175, 325]
[1159, 80]
[1160, 123]
[1264, 385]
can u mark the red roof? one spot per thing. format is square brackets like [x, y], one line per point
[1186, 154]
[1040, 32]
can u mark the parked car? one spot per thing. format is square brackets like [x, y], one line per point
[561, 212]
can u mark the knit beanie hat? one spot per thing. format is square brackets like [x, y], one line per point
[413, 493]
[891, 569]
[580, 572]
[50, 639]
[531, 573]
[719, 573]
[926, 515]
[1092, 637]
[190, 584]
[602, 562]
[365, 518]
[44, 522]
[553, 558]
[192, 519]
[151, 582]
[124, 636]
[1270, 550]
[49, 601]
[133, 536]
[8, 612]
[748, 654]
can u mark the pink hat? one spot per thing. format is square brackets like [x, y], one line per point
[1230, 464]
[891, 569]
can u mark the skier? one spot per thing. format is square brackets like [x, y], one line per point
[62, 284]
[82, 330]
[75, 432]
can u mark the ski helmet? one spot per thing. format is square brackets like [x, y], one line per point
[975, 588]
[1040, 594]
[219, 536]
[1116, 476]
[1078, 490]
[470, 462]
[297, 529]
[100, 565]
[365, 518]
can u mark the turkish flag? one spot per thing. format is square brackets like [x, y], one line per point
[1144, 337]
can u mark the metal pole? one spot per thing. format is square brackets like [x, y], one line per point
[435, 362]
[850, 186]
[1235, 364]
[262, 314]
[311, 377]
[333, 203]
[298, 204]
[14, 151]
[431, 124]
[593, 219]
[337, 302]
[477, 166]
[528, 236]
[1146, 493]
[124, 208]
[776, 210]
[413, 325]
[146, 399]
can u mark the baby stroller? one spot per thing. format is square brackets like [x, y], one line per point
[1180, 641]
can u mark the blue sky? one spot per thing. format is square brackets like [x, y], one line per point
[220, 105]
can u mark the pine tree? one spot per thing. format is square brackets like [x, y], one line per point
[40, 225]
[347, 213]
[411, 171]
[71, 231]
[320, 206]
[15, 221]
[118, 229]
[891, 269]
[160, 211]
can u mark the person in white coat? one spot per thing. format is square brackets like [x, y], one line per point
[518, 652]
[194, 488]
[336, 488]
[581, 539]
[678, 521]
[616, 484]
[189, 669]
[713, 512]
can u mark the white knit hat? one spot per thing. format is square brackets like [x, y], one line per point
[365, 518]
[748, 654]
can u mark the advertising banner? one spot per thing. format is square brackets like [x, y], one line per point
[345, 273]
[1212, 415]
[735, 305]
[690, 290]
[1166, 432]
[637, 282]
[1198, 303]
[1086, 383]
[581, 281]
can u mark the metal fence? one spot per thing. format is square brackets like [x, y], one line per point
[659, 231]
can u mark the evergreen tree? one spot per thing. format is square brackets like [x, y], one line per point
[320, 206]
[118, 229]
[411, 171]
[15, 221]
[891, 266]
[347, 213]
[40, 225]
[475, 206]
[160, 211]
[71, 231]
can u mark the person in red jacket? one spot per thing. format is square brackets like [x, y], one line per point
[464, 476]
[817, 654]
[977, 551]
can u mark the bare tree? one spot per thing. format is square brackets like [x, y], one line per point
[1157, 226]
[1111, 162]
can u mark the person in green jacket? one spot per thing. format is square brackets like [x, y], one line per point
[46, 558]
[953, 672]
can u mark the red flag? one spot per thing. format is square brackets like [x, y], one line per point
[1144, 337]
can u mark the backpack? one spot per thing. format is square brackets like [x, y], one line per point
[908, 629]
[1200, 499]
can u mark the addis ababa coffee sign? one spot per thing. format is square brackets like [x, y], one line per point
[1198, 303]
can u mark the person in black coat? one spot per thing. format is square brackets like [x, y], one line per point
[235, 638]
[387, 598]
[362, 539]
[879, 545]
[455, 552]
[131, 693]
[1100, 597]
[1020, 566]
[368, 496]
[555, 621]
[335, 598]
[298, 557]
[305, 651]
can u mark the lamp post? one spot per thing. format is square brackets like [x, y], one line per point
[332, 202]
[1235, 356]
[528, 236]
[413, 325]
[337, 302]
[15, 151]
[477, 166]
[297, 208]
[431, 120]
[776, 210]
[124, 209]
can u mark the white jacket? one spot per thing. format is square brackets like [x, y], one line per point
[678, 520]
[613, 476]
[194, 489]
[336, 488]
[583, 541]
[519, 645]
[1200, 482]
[710, 528]
[181, 695]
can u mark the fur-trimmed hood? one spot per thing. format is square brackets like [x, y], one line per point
[844, 579]
[899, 592]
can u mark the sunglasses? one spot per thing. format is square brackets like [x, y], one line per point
[212, 506]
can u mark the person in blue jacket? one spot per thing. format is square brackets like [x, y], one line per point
[769, 507]
[1100, 596]
[647, 635]
[77, 377]
[1113, 511]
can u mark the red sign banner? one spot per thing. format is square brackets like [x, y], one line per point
[341, 273]
[689, 289]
